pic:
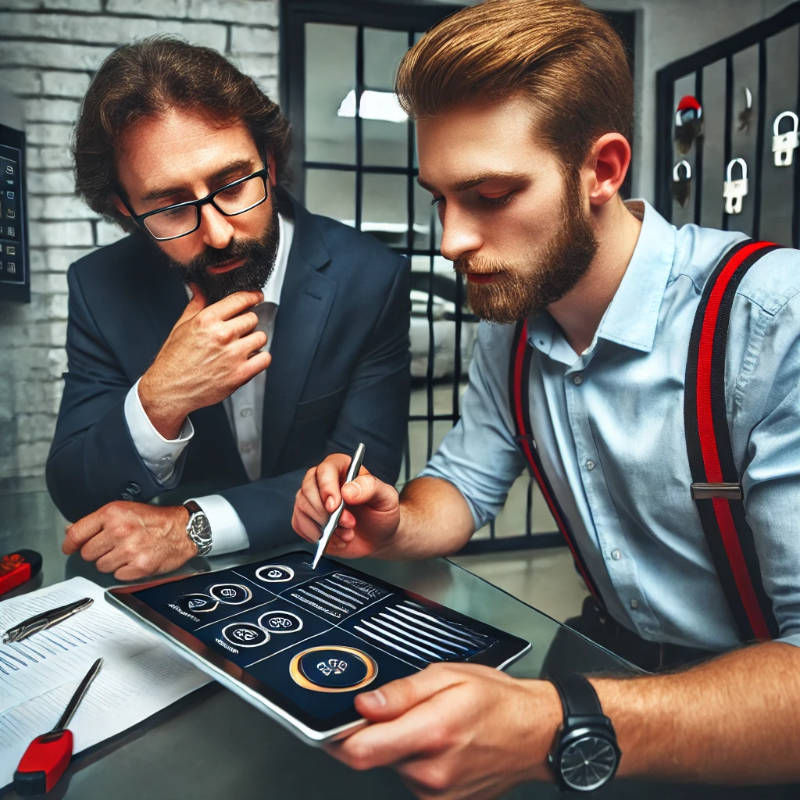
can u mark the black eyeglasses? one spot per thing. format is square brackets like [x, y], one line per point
[181, 219]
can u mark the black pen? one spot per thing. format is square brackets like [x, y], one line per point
[333, 520]
[44, 620]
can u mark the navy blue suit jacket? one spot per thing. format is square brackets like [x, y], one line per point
[339, 375]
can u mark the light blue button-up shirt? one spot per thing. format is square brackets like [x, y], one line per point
[609, 428]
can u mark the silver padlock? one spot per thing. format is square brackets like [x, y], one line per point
[734, 190]
[783, 144]
[680, 183]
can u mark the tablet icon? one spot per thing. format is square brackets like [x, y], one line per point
[197, 603]
[336, 668]
[280, 622]
[274, 573]
[233, 594]
[245, 634]
[333, 666]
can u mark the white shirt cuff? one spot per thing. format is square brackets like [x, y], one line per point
[227, 531]
[158, 454]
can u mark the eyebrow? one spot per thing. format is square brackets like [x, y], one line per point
[218, 178]
[470, 183]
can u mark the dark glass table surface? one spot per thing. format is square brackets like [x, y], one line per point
[212, 744]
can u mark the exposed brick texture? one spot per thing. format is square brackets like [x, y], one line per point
[49, 49]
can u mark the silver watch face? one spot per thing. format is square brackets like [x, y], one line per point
[588, 763]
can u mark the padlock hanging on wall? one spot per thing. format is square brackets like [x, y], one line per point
[784, 144]
[734, 189]
[681, 183]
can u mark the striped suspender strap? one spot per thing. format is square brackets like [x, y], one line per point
[519, 369]
[716, 486]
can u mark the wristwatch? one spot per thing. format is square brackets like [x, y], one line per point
[198, 528]
[585, 754]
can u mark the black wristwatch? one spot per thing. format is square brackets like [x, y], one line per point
[198, 528]
[585, 754]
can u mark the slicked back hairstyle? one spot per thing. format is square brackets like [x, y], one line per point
[562, 55]
[150, 77]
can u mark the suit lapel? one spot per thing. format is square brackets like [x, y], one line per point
[306, 299]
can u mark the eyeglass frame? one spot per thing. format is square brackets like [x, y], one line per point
[209, 198]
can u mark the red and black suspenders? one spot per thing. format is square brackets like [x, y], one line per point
[716, 487]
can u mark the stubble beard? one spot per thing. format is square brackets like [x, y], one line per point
[259, 255]
[518, 291]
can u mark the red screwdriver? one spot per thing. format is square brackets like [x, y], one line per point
[48, 755]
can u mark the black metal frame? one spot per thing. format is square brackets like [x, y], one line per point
[724, 50]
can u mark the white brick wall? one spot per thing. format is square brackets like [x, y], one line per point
[49, 50]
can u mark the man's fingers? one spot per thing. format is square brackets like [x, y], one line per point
[397, 740]
[329, 476]
[100, 544]
[77, 534]
[398, 696]
[367, 488]
[235, 303]
[196, 304]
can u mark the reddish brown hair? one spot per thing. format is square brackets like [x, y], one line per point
[148, 78]
[562, 55]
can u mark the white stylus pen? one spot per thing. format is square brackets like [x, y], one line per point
[333, 519]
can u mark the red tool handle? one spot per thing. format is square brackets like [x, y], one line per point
[18, 567]
[44, 763]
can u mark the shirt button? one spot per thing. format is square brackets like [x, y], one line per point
[634, 604]
[577, 379]
[246, 412]
[590, 465]
[616, 555]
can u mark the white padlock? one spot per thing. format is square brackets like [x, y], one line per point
[734, 190]
[784, 144]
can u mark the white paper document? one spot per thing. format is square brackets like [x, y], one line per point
[140, 673]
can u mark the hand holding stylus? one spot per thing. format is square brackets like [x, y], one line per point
[370, 515]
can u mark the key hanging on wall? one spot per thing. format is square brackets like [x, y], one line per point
[784, 144]
[746, 114]
[734, 189]
[681, 181]
[688, 122]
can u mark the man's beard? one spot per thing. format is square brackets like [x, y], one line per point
[519, 291]
[259, 255]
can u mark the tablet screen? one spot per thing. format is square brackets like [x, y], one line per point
[300, 643]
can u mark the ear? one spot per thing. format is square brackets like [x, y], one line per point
[121, 207]
[271, 170]
[607, 165]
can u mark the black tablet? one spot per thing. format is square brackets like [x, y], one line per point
[300, 643]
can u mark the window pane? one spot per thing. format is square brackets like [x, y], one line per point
[330, 75]
[425, 219]
[384, 213]
[385, 142]
[332, 193]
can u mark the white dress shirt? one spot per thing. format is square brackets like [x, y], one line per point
[244, 409]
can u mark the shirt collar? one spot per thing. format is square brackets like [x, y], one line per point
[272, 288]
[631, 318]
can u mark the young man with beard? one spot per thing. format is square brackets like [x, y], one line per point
[523, 112]
[231, 341]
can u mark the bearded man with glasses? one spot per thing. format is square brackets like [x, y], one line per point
[230, 342]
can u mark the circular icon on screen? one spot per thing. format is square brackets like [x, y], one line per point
[274, 573]
[197, 603]
[280, 622]
[245, 634]
[233, 594]
[333, 669]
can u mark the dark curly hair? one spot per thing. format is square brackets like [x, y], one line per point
[149, 77]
